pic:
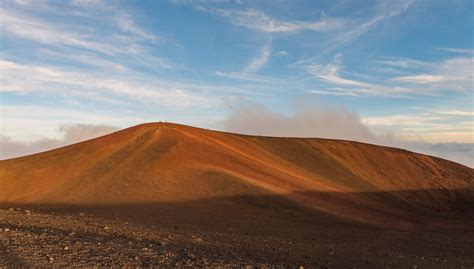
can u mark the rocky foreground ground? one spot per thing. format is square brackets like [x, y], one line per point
[49, 238]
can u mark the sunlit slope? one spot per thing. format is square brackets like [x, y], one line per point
[164, 162]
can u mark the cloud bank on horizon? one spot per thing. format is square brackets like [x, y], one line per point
[400, 69]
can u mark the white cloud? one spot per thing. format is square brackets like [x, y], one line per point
[434, 126]
[31, 28]
[450, 75]
[259, 21]
[396, 120]
[27, 122]
[458, 50]
[86, 58]
[339, 123]
[457, 112]
[51, 80]
[403, 63]
[307, 121]
[70, 133]
[255, 65]
[24, 2]
[260, 60]
[246, 76]
[330, 73]
[421, 79]
[88, 3]
[355, 31]
[453, 74]
[334, 91]
[281, 53]
[128, 45]
[127, 24]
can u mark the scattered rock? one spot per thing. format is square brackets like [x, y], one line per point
[28, 212]
[11, 209]
[6, 230]
[82, 215]
[66, 248]
[106, 227]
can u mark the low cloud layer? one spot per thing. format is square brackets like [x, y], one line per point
[309, 120]
[71, 133]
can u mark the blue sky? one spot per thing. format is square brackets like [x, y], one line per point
[403, 68]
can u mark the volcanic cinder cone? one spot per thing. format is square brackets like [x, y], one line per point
[165, 162]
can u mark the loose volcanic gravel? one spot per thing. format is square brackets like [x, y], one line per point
[33, 238]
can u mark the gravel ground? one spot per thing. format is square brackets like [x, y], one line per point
[57, 238]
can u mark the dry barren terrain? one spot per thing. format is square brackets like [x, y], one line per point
[168, 194]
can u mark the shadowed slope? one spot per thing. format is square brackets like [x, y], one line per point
[164, 162]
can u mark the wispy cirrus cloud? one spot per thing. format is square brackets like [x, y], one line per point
[330, 73]
[145, 89]
[456, 112]
[40, 31]
[127, 24]
[458, 50]
[337, 84]
[439, 124]
[126, 42]
[260, 60]
[449, 75]
[114, 56]
[121, 18]
[249, 71]
[259, 21]
[354, 31]
[421, 79]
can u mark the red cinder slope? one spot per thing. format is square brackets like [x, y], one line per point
[165, 162]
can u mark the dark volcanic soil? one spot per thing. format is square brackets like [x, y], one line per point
[205, 235]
